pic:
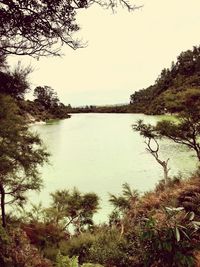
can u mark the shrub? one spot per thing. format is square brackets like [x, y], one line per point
[65, 261]
[78, 246]
[169, 239]
[109, 249]
[17, 251]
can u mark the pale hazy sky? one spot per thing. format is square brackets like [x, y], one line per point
[125, 52]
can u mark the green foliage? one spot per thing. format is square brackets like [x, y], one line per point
[15, 83]
[79, 246]
[5, 241]
[21, 152]
[73, 208]
[46, 96]
[109, 249]
[33, 111]
[123, 201]
[46, 101]
[91, 265]
[151, 137]
[44, 235]
[65, 261]
[100, 109]
[145, 130]
[168, 241]
[185, 131]
[122, 205]
[16, 250]
[38, 26]
[41, 28]
[184, 100]
[104, 246]
[153, 235]
[173, 88]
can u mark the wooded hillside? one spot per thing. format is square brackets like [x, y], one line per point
[174, 86]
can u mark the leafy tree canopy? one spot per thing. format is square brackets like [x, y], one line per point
[41, 27]
[73, 208]
[20, 154]
[184, 130]
[172, 84]
[15, 82]
[46, 96]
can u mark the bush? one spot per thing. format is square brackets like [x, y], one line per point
[78, 246]
[109, 249]
[17, 251]
[65, 261]
[169, 239]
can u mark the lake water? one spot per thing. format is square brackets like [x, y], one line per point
[99, 152]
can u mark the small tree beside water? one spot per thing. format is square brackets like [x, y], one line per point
[72, 209]
[151, 140]
[21, 152]
[185, 130]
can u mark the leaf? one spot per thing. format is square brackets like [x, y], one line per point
[196, 222]
[196, 225]
[192, 214]
[174, 209]
[74, 262]
[185, 234]
[178, 209]
[177, 234]
[169, 209]
[181, 226]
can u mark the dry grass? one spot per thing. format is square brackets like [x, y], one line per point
[176, 193]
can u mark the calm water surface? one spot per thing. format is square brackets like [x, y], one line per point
[99, 152]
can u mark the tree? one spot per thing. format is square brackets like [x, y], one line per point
[41, 27]
[171, 84]
[21, 152]
[3, 63]
[16, 250]
[186, 129]
[185, 132]
[46, 96]
[149, 133]
[122, 204]
[14, 83]
[73, 208]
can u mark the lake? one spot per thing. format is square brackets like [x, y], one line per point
[99, 152]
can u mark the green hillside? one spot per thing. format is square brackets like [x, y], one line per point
[174, 87]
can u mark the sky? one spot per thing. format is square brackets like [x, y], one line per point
[125, 51]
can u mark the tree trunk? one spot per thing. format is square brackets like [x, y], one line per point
[198, 154]
[3, 214]
[165, 169]
[122, 229]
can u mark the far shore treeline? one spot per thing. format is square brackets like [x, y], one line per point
[174, 85]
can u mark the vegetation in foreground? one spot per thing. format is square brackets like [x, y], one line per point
[158, 228]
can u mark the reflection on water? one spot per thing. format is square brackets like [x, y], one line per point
[100, 152]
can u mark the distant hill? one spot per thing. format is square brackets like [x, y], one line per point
[175, 85]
